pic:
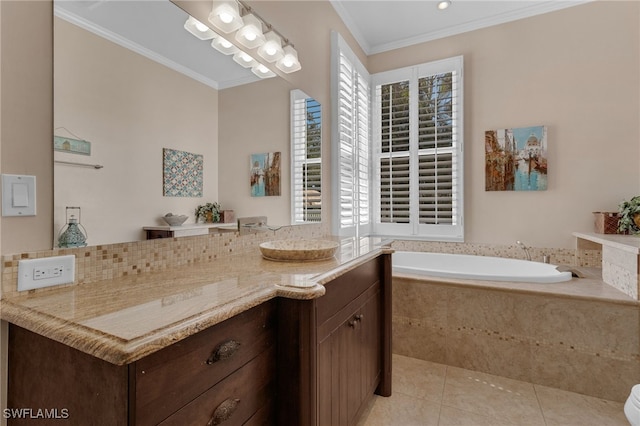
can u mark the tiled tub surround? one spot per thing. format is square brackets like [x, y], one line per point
[582, 336]
[583, 257]
[620, 259]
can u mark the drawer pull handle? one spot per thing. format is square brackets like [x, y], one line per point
[224, 351]
[224, 411]
[359, 317]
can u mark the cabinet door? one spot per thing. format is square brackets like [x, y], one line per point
[349, 363]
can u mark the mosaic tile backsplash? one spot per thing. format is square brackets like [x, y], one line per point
[97, 263]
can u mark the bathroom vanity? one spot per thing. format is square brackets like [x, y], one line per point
[259, 343]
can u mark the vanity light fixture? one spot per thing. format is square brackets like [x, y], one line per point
[235, 18]
[198, 29]
[289, 62]
[271, 50]
[250, 35]
[262, 71]
[244, 59]
[223, 45]
[225, 16]
[442, 5]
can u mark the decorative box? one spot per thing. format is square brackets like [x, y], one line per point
[606, 222]
[227, 216]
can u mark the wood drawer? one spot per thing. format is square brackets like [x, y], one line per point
[249, 392]
[348, 287]
[172, 377]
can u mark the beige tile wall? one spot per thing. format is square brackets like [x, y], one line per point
[621, 269]
[111, 261]
[585, 346]
[590, 258]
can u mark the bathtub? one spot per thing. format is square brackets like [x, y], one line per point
[476, 267]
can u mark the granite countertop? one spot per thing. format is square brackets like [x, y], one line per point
[125, 319]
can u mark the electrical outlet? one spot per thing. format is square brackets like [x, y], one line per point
[46, 272]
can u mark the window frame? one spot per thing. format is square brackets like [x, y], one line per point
[359, 125]
[300, 142]
[414, 229]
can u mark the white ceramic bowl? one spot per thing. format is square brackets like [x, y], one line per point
[173, 220]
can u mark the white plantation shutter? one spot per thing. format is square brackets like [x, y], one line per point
[306, 167]
[418, 151]
[350, 85]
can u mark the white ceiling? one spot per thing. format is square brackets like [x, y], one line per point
[154, 28]
[381, 25]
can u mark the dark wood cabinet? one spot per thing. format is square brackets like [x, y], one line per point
[349, 363]
[284, 362]
[186, 383]
[335, 370]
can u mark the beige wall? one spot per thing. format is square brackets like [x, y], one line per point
[25, 134]
[27, 116]
[583, 83]
[308, 24]
[129, 108]
[578, 72]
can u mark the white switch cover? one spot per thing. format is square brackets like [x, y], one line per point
[46, 272]
[18, 195]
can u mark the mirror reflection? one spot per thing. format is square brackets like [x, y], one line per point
[306, 158]
[122, 108]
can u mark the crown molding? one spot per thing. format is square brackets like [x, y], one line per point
[537, 9]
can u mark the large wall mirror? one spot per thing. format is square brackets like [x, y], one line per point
[120, 103]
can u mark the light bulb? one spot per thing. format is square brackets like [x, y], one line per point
[271, 50]
[225, 17]
[225, 43]
[288, 61]
[250, 35]
[198, 29]
[201, 27]
[245, 57]
[262, 68]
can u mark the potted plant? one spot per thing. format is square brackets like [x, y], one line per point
[629, 212]
[208, 213]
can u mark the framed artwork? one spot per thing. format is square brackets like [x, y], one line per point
[72, 146]
[181, 173]
[264, 174]
[516, 159]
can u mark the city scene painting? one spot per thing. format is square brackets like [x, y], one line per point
[265, 174]
[516, 159]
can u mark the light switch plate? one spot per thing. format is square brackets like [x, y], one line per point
[46, 272]
[18, 195]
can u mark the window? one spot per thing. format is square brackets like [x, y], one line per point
[417, 160]
[398, 159]
[350, 150]
[306, 149]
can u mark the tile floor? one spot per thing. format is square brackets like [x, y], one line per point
[426, 393]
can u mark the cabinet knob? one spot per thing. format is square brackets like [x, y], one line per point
[224, 351]
[359, 317]
[352, 323]
[224, 411]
